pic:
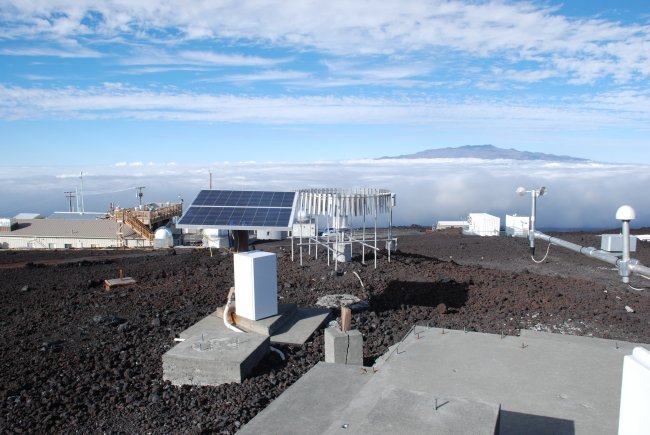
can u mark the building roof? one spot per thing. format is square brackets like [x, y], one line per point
[71, 228]
[86, 216]
[29, 216]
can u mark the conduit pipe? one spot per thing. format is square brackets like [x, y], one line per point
[229, 325]
[588, 251]
[278, 351]
[226, 311]
[626, 265]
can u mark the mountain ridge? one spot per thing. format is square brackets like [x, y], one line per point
[487, 152]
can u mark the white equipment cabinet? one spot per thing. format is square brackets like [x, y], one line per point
[634, 418]
[256, 285]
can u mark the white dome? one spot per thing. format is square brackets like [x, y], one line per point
[625, 213]
[163, 234]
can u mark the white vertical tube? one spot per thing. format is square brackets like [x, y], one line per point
[625, 259]
[531, 228]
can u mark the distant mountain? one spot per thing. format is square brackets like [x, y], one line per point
[487, 152]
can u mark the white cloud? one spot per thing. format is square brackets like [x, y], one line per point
[77, 52]
[211, 58]
[263, 76]
[198, 58]
[584, 49]
[118, 101]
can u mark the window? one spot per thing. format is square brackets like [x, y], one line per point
[67, 245]
[51, 246]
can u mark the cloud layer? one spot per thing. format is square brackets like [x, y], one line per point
[581, 195]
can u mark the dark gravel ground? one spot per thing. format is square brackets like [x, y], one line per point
[80, 359]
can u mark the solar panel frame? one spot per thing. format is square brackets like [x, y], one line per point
[240, 210]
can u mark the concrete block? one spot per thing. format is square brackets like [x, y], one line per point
[215, 357]
[343, 347]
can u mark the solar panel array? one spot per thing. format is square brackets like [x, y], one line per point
[240, 210]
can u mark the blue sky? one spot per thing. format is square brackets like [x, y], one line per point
[157, 93]
[91, 82]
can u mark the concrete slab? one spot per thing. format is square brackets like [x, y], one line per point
[209, 324]
[294, 328]
[376, 411]
[300, 326]
[545, 383]
[303, 410]
[266, 326]
[214, 357]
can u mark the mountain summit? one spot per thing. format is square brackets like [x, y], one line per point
[487, 152]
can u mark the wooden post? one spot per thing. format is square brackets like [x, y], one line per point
[241, 240]
[346, 319]
[121, 274]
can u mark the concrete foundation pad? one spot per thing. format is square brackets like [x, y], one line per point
[545, 384]
[213, 357]
[395, 410]
[266, 326]
[310, 405]
[291, 326]
[300, 326]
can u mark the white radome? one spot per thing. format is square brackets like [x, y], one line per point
[625, 213]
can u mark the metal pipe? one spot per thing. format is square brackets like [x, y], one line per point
[531, 229]
[624, 270]
[588, 251]
[639, 268]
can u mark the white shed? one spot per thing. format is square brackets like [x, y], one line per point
[517, 226]
[483, 224]
[443, 225]
[213, 238]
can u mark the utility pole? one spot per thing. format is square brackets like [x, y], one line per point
[81, 176]
[140, 194]
[210, 172]
[70, 195]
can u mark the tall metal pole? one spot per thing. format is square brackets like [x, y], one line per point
[531, 229]
[82, 192]
[140, 194]
[70, 195]
[625, 258]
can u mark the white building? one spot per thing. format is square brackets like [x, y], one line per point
[517, 226]
[68, 233]
[443, 225]
[483, 224]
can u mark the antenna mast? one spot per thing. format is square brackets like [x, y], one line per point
[70, 195]
[81, 176]
[140, 194]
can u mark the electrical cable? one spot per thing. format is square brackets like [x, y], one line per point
[638, 289]
[548, 248]
[278, 351]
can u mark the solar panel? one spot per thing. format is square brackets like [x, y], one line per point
[240, 210]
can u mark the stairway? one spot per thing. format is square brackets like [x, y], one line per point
[140, 228]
